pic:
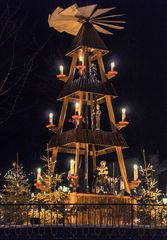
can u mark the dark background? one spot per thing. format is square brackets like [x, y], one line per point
[139, 52]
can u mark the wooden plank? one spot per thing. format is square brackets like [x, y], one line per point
[122, 168]
[53, 160]
[77, 159]
[94, 157]
[63, 114]
[73, 66]
[105, 151]
[80, 103]
[101, 66]
[110, 112]
[86, 166]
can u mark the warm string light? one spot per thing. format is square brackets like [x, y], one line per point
[123, 114]
[112, 66]
[61, 69]
[135, 172]
[51, 118]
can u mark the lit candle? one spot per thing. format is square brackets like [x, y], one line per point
[38, 175]
[135, 170]
[122, 187]
[123, 114]
[77, 108]
[61, 69]
[72, 167]
[81, 58]
[51, 118]
[112, 66]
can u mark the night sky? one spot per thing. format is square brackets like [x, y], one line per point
[139, 52]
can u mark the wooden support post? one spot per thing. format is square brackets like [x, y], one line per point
[80, 103]
[86, 167]
[63, 114]
[101, 66]
[122, 168]
[77, 159]
[110, 111]
[72, 68]
[94, 157]
[53, 160]
[89, 62]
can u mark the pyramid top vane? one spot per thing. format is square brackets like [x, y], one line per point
[71, 19]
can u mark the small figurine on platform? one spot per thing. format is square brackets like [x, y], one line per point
[95, 117]
[101, 183]
[93, 72]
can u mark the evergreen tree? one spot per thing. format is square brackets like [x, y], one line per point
[152, 211]
[16, 191]
[16, 188]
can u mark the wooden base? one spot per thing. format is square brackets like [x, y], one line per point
[99, 214]
[98, 198]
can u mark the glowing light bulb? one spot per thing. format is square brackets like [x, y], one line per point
[112, 66]
[123, 114]
[51, 118]
[61, 69]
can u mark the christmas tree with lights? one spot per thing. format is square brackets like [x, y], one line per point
[16, 191]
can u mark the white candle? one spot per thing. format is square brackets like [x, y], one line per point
[38, 175]
[72, 167]
[81, 58]
[122, 187]
[77, 107]
[123, 114]
[135, 170]
[51, 118]
[112, 66]
[61, 69]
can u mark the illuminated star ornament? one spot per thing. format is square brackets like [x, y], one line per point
[71, 19]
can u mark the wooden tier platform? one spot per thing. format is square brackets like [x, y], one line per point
[99, 208]
[82, 198]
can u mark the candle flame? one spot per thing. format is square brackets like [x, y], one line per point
[72, 161]
[51, 115]
[112, 66]
[124, 110]
[77, 105]
[39, 170]
[61, 69]
[135, 166]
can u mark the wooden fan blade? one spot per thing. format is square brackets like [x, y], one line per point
[70, 11]
[110, 25]
[110, 16]
[99, 12]
[86, 11]
[102, 30]
[108, 21]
